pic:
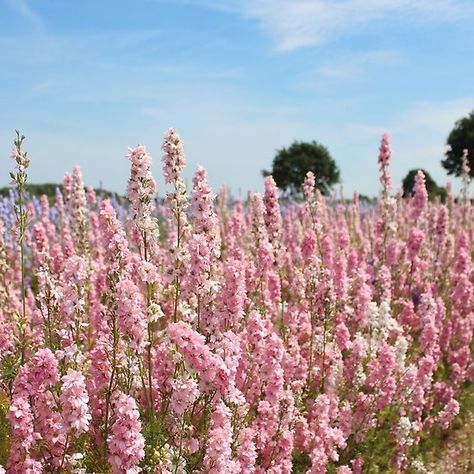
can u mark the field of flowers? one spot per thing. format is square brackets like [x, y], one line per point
[203, 336]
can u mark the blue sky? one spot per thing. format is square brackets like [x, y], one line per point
[239, 79]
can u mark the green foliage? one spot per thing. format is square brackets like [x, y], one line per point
[301, 462]
[460, 138]
[34, 189]
[377, 447]
[49, 189]
[290, 166]
[433, 189]
[155, 442]
[8, 369]
[4, 431]
[432, 445]
[367, 199]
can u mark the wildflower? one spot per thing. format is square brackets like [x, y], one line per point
[126, 443]
[141, 187]
[173, 159]
[421, 196]
[185, 392]
[447, 414]
[205, 219]
[385, 154]
[272, 215]
[74, 400]
[131, 315]
[43, 370]
[218, 458]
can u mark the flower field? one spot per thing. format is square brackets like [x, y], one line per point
[202, 335]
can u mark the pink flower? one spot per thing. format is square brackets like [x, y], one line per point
[74, 400]
[185, 392]
[415, 241]
[218, 458]
[273, 219]
[233, 294]
[309, 185]
[131, 313]
[114, 239]
[21, 422]
[344, 470]
[447, 414]
[420, 200]
[308, 246]
[247, 452]
[43, 370]
[141, 186]
[205, 219]
[343, 336]
[385, 154]
[148, 272]
[75, 269]
[198, 355]
[173, 159]
[126, 443]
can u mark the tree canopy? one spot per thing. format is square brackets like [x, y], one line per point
[432, 188]
[290, 166]
[460, 138]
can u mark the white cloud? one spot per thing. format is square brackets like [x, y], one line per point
[294, 24]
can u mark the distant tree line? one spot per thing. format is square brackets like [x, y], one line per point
[49, 189]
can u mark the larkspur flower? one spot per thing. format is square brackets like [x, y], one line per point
[74, 399]
[126, 443]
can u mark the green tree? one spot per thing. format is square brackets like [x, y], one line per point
[460, 138]
[432, 188]
[290, 166]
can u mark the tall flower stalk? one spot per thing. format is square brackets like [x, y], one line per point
[174, 162]
[466, 180]
[19, 180]
[140, 190]
[385, 155]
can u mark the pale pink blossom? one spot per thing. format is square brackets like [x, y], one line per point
[126, 443]
[74, 400]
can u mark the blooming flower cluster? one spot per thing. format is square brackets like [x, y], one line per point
[75, 402]
[198, 334]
